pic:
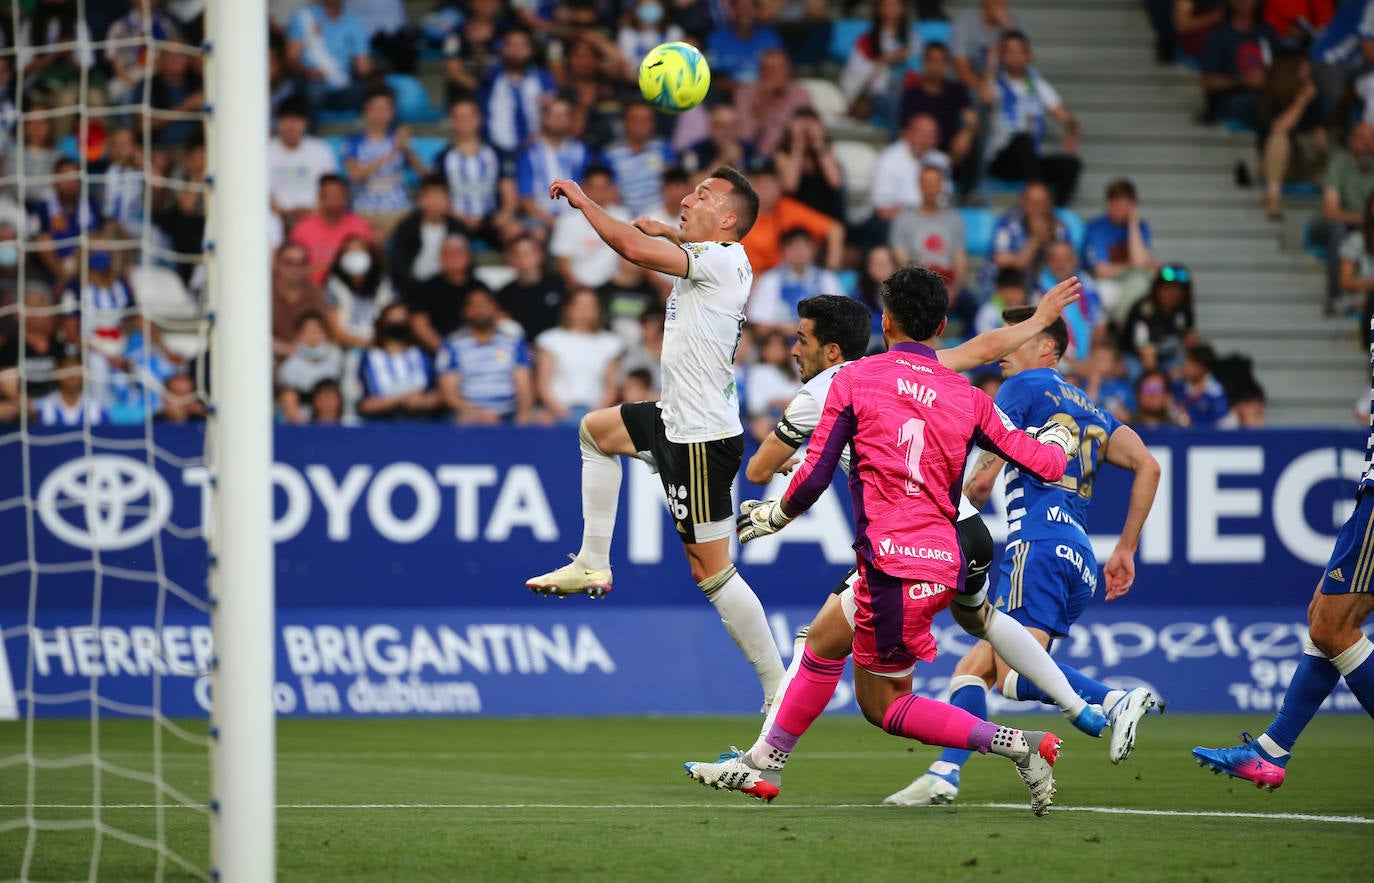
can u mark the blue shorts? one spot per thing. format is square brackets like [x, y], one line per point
[1352, 561]
[1046, 584]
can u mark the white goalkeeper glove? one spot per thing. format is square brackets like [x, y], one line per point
[1056, 434]
[759, 518]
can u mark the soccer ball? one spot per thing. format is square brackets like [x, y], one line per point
[674, 77]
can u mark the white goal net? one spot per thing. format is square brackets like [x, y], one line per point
[107, 306]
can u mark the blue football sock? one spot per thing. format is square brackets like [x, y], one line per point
[1313, 681]
[971, 696]
[1094, 692]
[1356, 665]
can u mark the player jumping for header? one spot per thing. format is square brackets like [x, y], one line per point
[1336, 647]
[694, 434]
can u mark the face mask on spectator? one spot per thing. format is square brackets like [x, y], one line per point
[313, 353]
[399, 331]
[649, 13]
[9, 255]
[355, 263]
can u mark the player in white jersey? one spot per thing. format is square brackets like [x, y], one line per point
[693, 436]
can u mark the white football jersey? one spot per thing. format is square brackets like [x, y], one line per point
[701, 330]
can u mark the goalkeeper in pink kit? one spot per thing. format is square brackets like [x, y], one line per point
[911, 423]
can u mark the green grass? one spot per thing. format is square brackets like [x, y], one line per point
[628, 813]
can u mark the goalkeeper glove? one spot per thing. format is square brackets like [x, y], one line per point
[759, 518]
[1056, 434]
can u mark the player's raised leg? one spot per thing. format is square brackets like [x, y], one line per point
[603, 439]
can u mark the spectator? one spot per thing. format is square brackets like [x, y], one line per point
[37, 347]
[99, 312]
[1357, 262]
[327, 404]
[1155, 407]
[436, 310]
[974, 36]
[69, 405]
[639, 159]
[389, 35]
[127, 60]
[879, 263]
[357, 289]
[281, 87]
[1295, 21]
[534, 298]
[584, 259]
[1008, 293]
[627, 297]
[121, 196]
[807, 168]
[578, 363]
[397, 377]
[295, 163]
[1020, 100]
[765, 107]
[180, 402]
[879, 64]
[176, 87]
[376, 160]
[778, 214]
[804, 26]
[932, 234]
[324, 230]
[327, 47]
[1345, 197]
[638, 386]
[513, 92]
[293, 295]
[1116, 247]
[1200, 396]
[415, 243]
[1160, 325]
[595, 87]
[1234, 59]
[1106, 381]
[948, 101]
[1248, 409]
[1022, 235]
[895, 183]
[1085, 317]
[1292, 134]
[734, 49]
[470, 49]
[481, 190]
[39, 158]
[484, 374]
[1340, 50]
[724, 146]
[1193, 21]
[647, 355]
[677, 184]
[54, 76]
[60, 220]
[771, 383]
[554, 154]
[773, 302]
[315, 358]
[644, 30]
[181, 215]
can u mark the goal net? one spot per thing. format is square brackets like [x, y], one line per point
[109, 302]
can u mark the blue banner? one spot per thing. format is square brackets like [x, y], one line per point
[406, 526]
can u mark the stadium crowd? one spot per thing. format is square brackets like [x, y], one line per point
[429, 277]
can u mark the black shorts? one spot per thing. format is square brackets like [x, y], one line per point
[697, 476]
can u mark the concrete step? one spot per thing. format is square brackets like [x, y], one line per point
[1215, 312]
[1166, 155]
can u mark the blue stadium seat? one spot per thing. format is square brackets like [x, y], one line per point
[1311, 242]
[934, 32]
[1231, 124]
[69, 147]
[978, 227]
[1301, 188]
[849, 281]
[336, 144]
[843, 33]
[412, 101]
[427, 147]
[1074, 224]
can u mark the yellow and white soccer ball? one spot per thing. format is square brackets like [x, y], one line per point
[674, 77]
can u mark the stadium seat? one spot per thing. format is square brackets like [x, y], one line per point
[826, 98]
[1074, 224]
[494, 276]
[856, 161]
[843, 33]
[336, 144]
[934, 32]
[1311, 242]
[428, 147]
[412, 101]
[162, 294]
[849, 281]
[978, 227]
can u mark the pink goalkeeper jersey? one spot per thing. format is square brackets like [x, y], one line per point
[912, 422]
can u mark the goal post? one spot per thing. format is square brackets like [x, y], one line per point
[243, 739]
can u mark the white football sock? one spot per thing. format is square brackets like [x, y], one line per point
[1112, 697]
[1271, 748]
[797, 647]
[742, 614]
[1023, 653]
[600, 497]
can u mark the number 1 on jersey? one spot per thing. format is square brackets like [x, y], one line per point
[913, 437]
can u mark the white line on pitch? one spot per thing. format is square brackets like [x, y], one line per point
[1104, 810]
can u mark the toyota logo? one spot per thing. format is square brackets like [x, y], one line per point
[124, 502]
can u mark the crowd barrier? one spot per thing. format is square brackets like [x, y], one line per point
[402, 552]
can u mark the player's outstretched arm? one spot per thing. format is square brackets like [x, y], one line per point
[833, 434]
[993, 345]
[994, 432]
[979, 482]
[1126, 449]
[637, 247]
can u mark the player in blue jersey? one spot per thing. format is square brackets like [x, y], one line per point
[1048, 568]
[1336, 647]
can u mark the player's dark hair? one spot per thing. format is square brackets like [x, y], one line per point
[840, 320]
[916, 298]
[1058, 330]
[1010, 277]
[1121, 188]
[746, 199]
[1203, 354]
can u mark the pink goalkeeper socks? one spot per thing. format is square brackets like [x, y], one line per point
[806, 697]
[935, 723]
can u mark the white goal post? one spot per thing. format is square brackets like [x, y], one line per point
[243, 738]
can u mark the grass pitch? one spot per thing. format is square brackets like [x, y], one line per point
[576, 799]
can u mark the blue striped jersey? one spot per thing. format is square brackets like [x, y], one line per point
[486, 370]
[387, 374]
[510, 107]
[385, 189]
[52, 411]
[1058, 510]
[639, 174]
[542, 163]
[123, 196]
[473, 180]
[102, 307]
